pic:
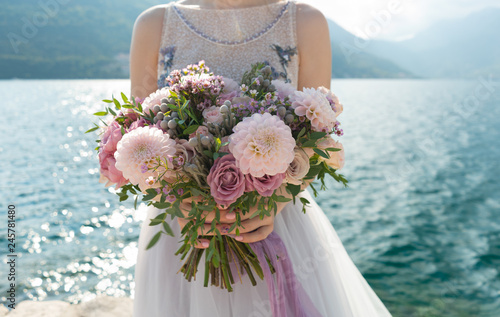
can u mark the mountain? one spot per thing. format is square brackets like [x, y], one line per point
[90, 39]
[349, 60]
[460, 48]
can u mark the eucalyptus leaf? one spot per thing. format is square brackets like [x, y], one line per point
[154, 240]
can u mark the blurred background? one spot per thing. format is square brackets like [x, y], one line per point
[419, 81]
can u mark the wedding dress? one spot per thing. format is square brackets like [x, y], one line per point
[229, 41]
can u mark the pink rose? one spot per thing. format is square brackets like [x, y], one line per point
[337, 159]
[109, 172]
[265, 185]
[299, 167]
[202, 130]
[213, 115]
[226, 181]
[111, 137]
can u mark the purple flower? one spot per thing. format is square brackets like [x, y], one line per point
[226, 181]
[265, 185]
[171, 198]
[144, 168]
[180, 191]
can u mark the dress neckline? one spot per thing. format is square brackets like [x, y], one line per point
[195, 8]
[285, 4]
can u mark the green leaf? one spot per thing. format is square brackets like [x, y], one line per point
[117, 104]
[293, 189]
[321, 153]
[309, 143]
[282, 199]
[154, 240]
[168, 229]
[125, 99]
[162, 205]
[195, 191]
[155, 222]
[207, 153]
[128, 106]
[332, 149]
[123, 197]
[317, 135]
[191, 129]
[304, 201]
[301, 133]
[107, 101]
[101, 113]
[151, 193]
[92, 129]
[111, 111]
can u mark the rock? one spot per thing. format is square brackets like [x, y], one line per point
[102, 306]
[53, 308]
[106, 306]
[3, 311]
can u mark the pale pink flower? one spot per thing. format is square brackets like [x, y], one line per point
[213, 115]
[299, 167]
[154, 99]
[265, 185]
[283, 89]
[333, 99]
[312, 104]
[262, 144]
[230, 86]
[141, 147]
[337, 159]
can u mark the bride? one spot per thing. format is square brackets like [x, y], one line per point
[230, 35]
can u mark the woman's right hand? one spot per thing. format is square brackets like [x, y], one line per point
[227, 219]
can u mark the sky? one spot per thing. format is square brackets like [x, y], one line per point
[402, 19]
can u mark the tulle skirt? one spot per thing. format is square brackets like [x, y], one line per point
[321, 264]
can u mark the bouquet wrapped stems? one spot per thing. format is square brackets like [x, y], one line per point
[218, 269]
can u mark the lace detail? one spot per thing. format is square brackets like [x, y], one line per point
[230, 40]
[226, 42]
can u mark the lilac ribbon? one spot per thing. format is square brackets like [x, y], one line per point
[287, 297]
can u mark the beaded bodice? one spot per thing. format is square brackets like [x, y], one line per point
[230, 40]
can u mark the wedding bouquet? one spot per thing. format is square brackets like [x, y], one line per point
[220, 145]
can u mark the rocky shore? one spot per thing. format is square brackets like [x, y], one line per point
[102, 306]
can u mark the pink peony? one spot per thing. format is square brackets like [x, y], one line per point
[154, 99]
[109, 141]
[283, 89]
[333, 99]
[141, 147]
[111, 137]
[262, 144]
[109, 173]
[226, 181]
[265, 185]
[337, 159]
[313, 104]
[299, 167]
[212, 115]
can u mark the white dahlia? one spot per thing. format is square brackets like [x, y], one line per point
[313, 104]
[140, 148]
[262, 145]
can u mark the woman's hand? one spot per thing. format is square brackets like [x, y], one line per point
[251, 230]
